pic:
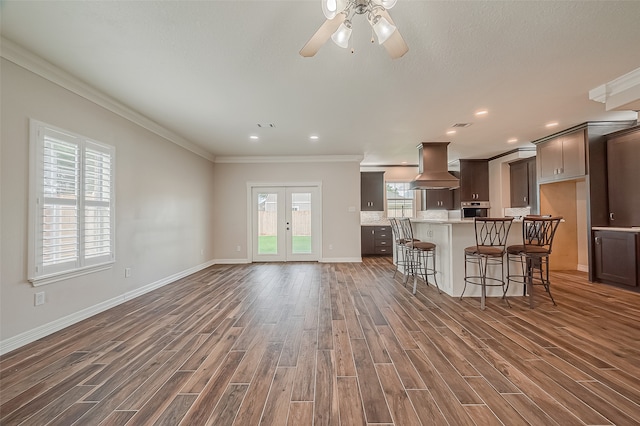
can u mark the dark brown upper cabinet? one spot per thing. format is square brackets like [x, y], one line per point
[474, 180]
[524, 187]
[562, 157]
[372, 191]
[437, 199]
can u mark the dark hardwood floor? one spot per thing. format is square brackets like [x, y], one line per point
[308, 343]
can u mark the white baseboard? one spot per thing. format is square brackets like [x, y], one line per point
[340, 260]
[583, 268]
[231, 261]
[44, 330]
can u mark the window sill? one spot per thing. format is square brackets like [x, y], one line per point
[61, 276]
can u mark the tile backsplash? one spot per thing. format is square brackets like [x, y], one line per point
[516, 212]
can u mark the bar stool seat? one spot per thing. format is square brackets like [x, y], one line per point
[421, 245]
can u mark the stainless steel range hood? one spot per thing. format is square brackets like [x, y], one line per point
[433, 168]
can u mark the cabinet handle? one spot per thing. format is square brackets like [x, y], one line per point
[611, 216]
[525, 199]
[598, 240]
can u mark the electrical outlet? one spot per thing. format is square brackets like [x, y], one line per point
[238, 248]
[39, 298]
[201, 252]
[330, 246]
[127, 272]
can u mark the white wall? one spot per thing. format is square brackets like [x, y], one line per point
[340, 191]
[164, 198]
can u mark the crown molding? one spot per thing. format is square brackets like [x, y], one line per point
[290, 159]
[35, 64]
[622, 93]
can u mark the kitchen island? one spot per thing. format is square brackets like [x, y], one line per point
[451, 237]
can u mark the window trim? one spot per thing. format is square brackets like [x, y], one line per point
[37, 275]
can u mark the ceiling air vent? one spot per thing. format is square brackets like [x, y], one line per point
[461, 125]
[271, 125]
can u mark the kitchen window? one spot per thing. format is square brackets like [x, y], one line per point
[400, 199]
[71, 212]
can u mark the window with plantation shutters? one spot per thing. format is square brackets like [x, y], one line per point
[72, 204]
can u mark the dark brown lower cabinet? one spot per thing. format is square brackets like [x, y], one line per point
[376, 240]
[617, 257]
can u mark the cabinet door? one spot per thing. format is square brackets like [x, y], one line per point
[615, 254]
[533, 185]
[474, 180]
[519, 182]
[372, 191]
[367, 240]
[439, 199]
[623, 164]
[573, 158]
[549, 155]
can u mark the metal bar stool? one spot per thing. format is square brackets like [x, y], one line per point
[491, 240]
[402, 259]
[533, 254]
[419, 252]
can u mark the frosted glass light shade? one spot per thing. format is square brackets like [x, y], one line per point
[383, 28]
[331, 8]
[388, 4]
[342, 35]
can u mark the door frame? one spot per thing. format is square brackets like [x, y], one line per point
[317, 205]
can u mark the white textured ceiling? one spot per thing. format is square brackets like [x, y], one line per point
[210, 71]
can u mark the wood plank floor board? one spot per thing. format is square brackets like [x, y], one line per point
[326, 411]
[334, 343]
[349, 401]
[276, 408]
[176, 410]
[301, 413]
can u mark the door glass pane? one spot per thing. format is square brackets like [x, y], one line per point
[301, 223]
[267, 223]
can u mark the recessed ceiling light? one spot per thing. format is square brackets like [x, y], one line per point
[313, 137]
[254, 137]
[451, 132]
[512, 140]
[482, 112]
[552, 124]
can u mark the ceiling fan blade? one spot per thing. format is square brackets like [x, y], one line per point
[322, 35]
[395, 45]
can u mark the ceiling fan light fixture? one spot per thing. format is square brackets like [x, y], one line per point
[383, 28]
[342, 35]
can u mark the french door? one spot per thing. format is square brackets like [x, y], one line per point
[285, 223]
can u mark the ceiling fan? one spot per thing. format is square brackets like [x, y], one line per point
[338, 25]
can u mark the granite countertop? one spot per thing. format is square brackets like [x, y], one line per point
[618, 229]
